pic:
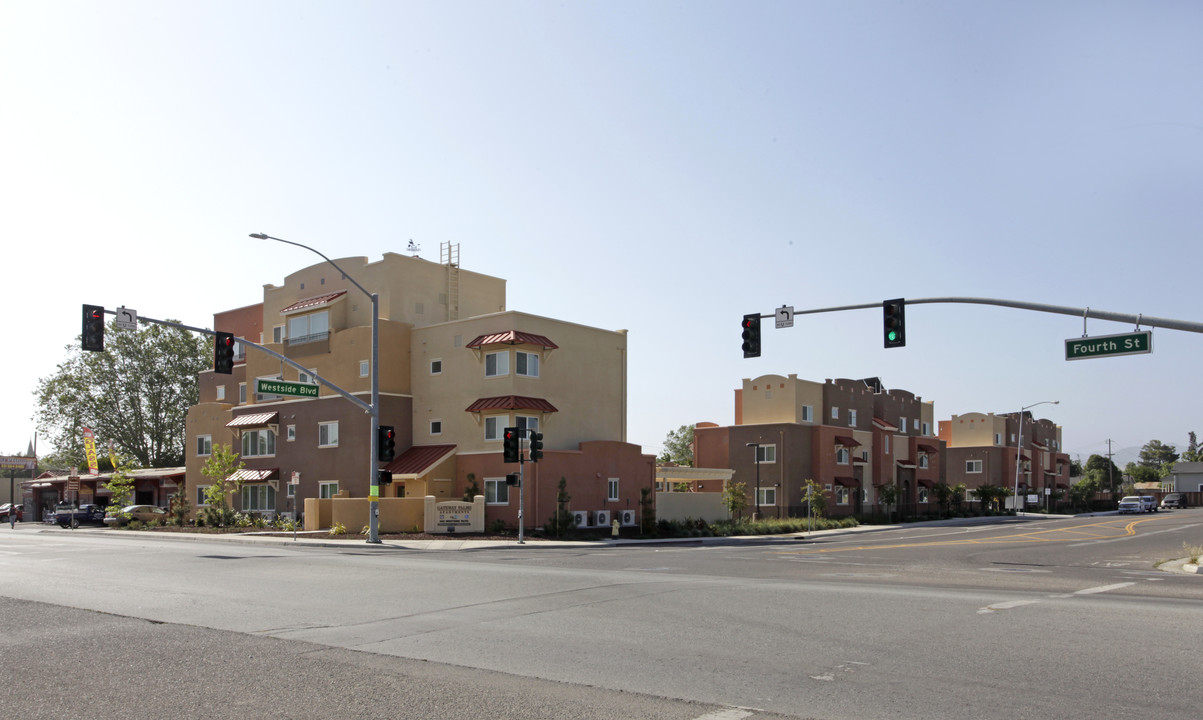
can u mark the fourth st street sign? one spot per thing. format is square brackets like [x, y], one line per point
[285, 387]
[1133, 343]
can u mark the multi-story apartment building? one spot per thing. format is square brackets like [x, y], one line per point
[849, 436]
[983, 448]
[456, 368]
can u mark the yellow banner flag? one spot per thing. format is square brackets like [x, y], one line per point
[90, 451]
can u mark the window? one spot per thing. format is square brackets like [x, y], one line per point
[923, 495]
[526, 364]
[902, 424]
[327, 490]
[766, 454]
[241, 393]
[365, 368]
[927, 428]
[309, 328]
[221, 392]
[436, 367]
[885, 444]
[258, 443]
[200, 495]
[768, 496]
[258, 498]
[851, 418]
[496, 492]
[204, 445]
[973, 466]
[808, 413]
[612, 490]
[835, 413]
[998, 438]
[291, 490]
[923, 461]
[327, 434]
[277, 334]
[290, 433]
[307, 376]
[436, 427]
[526, 423]
[497, 364]
[494, 425]
[842, 455]
[841, 495]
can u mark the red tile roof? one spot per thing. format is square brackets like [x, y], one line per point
[511, 402]
[513, 337]
[313, 302]
[846, 441]
[419, 459]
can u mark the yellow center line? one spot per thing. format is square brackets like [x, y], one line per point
[1036, 536]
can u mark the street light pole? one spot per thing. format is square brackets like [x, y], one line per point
[373, 476]
[756, 460]
[1019, 445]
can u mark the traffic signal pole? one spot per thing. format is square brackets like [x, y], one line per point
[1084, 313]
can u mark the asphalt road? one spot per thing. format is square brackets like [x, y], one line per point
[1031, 618]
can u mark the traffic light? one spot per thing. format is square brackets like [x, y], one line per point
[511, 479]
[751, 326]
[383, 477]
[894, 323]
[223, 353]
[536, 446]
[93, 334]
[386, 443]
[512, 446]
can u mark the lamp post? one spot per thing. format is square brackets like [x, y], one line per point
[373, 476]
[756, 461]
[1019, 444]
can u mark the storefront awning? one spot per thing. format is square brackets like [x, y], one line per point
[248, 476]
[254, 420]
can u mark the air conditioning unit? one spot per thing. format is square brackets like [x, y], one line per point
[581, 517]
[601, 518]
[627, 518]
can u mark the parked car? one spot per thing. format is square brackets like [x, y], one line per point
[1131, 504]
[1174, 500]
[67, 515]
[141, 513]
[1148, 503]
[9, 509]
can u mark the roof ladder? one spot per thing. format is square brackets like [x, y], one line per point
[449, 256]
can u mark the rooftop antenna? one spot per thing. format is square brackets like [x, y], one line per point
[413, 248]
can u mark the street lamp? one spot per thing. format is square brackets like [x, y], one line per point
[756, 460]
[373, 476]
[1019, 444]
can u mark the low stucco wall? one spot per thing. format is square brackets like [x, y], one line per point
[398, 515]
[706, 506]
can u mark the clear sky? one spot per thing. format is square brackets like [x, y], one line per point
[663, 167]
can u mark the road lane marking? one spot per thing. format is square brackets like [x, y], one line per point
[1005, 606]
[728, 714]
[1104, 588]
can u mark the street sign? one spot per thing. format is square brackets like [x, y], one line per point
[285, 387]
[1133, 343]
[127, 319]
[785, 316]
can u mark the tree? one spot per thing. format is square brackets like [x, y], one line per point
[1083, 491]
[813, 492]
[1192, 452]
[887, 497]
[647, 510]
[1103, 471]
[563, 520]
[220, 468]
[1159, 457]
[943, 492]
[735, 498]
[678, 447]
[135, 393]
[1140, 473]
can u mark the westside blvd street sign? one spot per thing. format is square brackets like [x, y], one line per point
[285, 387]
[1133, 343]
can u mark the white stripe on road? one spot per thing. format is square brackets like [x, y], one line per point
[1103, 588]
[1005, 606]
[728, 714]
